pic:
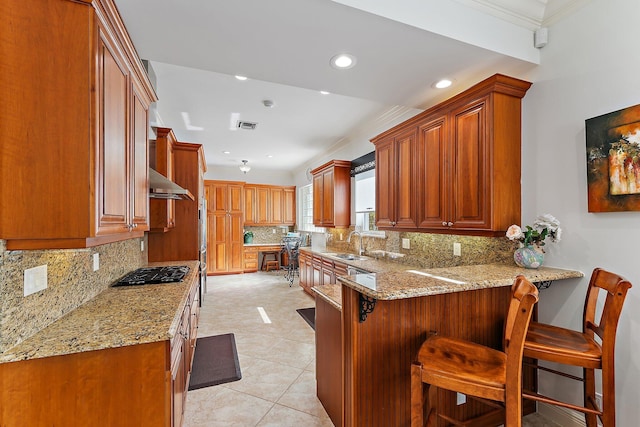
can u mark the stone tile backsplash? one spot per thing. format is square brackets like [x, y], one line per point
[71, 282]
[426, 250]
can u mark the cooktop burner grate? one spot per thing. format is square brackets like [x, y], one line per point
[151, 275]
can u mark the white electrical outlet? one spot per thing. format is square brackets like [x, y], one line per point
[96, 262]
[141, 245]
[35, 279]
[274, 231]
[406, 243]
[461, 399]
[457, 250]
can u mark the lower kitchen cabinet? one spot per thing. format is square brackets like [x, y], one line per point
[305, 268]
[134, 385]
[329, 359]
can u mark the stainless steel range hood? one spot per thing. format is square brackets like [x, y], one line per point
[162, 188]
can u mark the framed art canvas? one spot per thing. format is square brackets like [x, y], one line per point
[613, 161]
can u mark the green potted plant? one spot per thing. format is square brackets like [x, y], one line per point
[248, 236]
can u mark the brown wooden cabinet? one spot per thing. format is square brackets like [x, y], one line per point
[132, 385]
[332, 194]
[225, 238]
[395, 180]
[74, 149]
[182, 241]
[162, 211]
[250, 259]
[305, 268]
[468, 163]
[267, 205]
[329, 359]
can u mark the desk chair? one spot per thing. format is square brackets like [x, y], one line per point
[291, 246]
[478, 371]
[568, 347]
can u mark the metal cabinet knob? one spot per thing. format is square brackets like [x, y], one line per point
[449, 224]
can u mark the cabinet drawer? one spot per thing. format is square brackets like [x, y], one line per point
[250, 256]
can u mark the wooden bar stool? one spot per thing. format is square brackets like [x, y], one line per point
[569, 347]
[265, 261]
[489, 375]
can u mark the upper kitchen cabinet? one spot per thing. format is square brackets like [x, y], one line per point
[162, 211]
[185, 240]
[466, 159]
[269, 205]
[395, 172]
[74, 163]
[332, 194]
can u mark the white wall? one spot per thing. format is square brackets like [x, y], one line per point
[254, 176]
[590, 67]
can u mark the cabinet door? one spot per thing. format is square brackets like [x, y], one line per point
[405, 180]
[277, 205]
[327, 197]
[318, 193]
[250, 205]
[139, 162]
[113, 206]
[289, 206]
[385, 183]
[470, 187]
[434, 179]
[263, 206]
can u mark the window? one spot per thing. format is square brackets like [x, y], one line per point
[305, 209]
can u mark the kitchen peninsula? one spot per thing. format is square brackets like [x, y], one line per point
[385, 317]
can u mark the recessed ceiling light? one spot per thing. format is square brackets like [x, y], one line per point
[226, 152]
[343, 61]
[441, 84]
[241, 78]
[269, 155]
[324, 92]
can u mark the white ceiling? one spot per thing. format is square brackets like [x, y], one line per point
[284, 47]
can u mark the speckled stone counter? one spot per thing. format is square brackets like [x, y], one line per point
[118, 316]
[416, 283]
[390, 280]
[331, 294]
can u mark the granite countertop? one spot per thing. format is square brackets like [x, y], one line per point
[116, 317]
[416, 283]
[390, 280]
[263, 244]
[331, 294]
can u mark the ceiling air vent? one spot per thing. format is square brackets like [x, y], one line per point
[247, 125]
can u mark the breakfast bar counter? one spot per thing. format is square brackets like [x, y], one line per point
[387, 315]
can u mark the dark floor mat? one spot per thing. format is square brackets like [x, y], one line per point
[309, 315]
[215, 362]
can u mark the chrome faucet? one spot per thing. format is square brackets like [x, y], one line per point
[357, 233]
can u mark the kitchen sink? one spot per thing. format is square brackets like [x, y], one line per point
[351, 257]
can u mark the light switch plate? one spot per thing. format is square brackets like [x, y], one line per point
[96, 262]
[457, 250]
[35, 279]
[406, 243]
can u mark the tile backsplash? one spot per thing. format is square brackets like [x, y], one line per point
[71, 282]
[426, 250]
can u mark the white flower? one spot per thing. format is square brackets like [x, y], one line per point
[515, 233]
[546, 221]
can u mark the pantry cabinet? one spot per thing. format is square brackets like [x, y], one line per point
[75, 147]
[225, 237]
[332, 194]
[465, 160]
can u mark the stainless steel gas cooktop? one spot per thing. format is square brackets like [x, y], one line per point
[151, 275]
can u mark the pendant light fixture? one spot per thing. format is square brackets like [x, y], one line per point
[245, 168]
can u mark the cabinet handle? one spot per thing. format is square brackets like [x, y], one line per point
[449, 224]
[444, 223]
[393, 223]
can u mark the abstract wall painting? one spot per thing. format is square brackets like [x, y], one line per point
[613, 161]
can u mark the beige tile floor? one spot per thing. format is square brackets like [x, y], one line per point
[277, 359]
